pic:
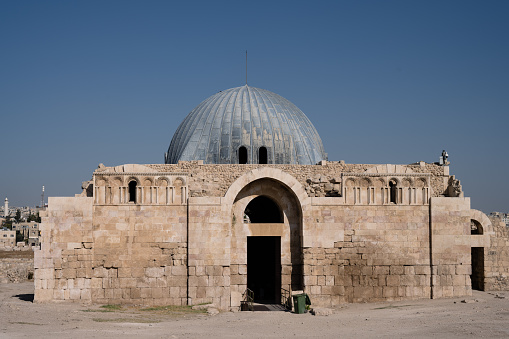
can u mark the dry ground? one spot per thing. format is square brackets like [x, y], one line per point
[487, 317]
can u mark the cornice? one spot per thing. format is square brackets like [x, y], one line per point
[386, 174]
[153, 174]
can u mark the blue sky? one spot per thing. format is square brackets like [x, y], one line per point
[83, 83]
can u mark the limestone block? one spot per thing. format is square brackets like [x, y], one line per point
[459, 280]
[179, 270]
[315, 290]
[86, 294]
[154, 272]
[44, 273]
[422, 270]
[137, 272]
[74, 293]
[464, 269]
[124, 272]
[363, 292]
[68, 273]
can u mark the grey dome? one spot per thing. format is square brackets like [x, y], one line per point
[246, 119]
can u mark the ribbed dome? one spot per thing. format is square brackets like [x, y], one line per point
[243, 124]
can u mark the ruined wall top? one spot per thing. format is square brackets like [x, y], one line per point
[318, 180]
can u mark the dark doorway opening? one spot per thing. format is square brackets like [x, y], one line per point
[262, 155]
[132, 191]
[263, 210]
[242, 155]
[477, 277]
[264, 269]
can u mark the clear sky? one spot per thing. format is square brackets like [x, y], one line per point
[89, 82]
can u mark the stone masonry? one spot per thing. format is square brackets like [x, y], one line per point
[178, 234]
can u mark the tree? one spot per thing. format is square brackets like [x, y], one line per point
[17, 217]
[8, 222]
[33, 217]
[19, 236]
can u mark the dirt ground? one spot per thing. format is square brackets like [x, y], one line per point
[485, 314]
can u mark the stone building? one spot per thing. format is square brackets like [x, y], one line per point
[248, 199]
[7, 238]
[29, 230]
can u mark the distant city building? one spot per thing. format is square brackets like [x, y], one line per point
[29, 230]
[25, 211]
[503, 216]
[7, 238]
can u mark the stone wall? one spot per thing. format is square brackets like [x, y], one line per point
[112, 254]
[497, 257]
[139, 254]
[64, 258]
[372, 254]
[451, 246]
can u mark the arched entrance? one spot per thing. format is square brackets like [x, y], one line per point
[266, 250]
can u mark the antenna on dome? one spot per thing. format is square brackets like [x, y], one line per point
[246, 66]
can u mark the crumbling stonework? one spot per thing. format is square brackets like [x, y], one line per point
[16, 270]
[320, 180]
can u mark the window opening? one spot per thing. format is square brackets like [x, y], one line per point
[242, 155]
[132, 191]
[262, 155]
[393, 188]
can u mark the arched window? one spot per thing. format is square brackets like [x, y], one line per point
[262, 155]
[263, 210]
[242, 155]
[394, 190]
[132, 191]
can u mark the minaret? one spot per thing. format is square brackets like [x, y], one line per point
[42, 197]
[6, 207]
